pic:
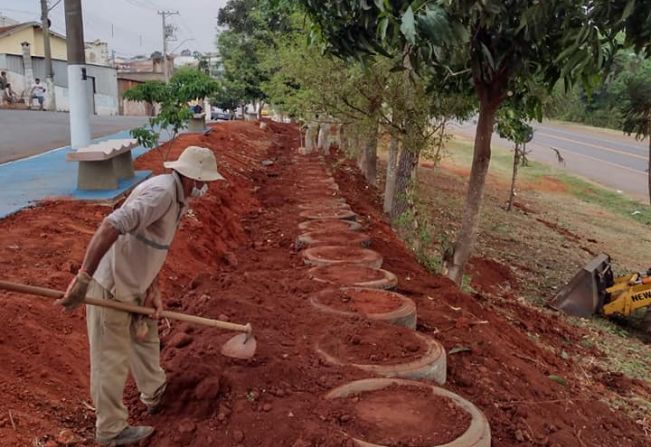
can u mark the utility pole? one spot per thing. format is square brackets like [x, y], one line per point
[168, 31]
[77, 87]
[49, 72]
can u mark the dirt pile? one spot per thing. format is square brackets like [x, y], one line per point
[234, 258]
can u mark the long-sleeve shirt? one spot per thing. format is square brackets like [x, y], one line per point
[147, 222]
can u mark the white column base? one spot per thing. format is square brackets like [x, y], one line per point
[79, 110]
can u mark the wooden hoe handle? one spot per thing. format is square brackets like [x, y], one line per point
[131, 308]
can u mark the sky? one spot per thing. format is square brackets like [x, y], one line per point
[132, 27]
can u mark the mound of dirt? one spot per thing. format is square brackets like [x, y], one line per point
[490, 276]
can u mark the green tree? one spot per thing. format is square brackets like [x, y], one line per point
[150, 92]
[636, 109]
[495, 48]
[512, 126]
[186, 85]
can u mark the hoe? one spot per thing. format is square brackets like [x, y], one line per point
[241, 346]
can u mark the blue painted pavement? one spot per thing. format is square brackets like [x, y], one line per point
[24, 182]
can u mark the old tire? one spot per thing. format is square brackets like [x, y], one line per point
[341, 254]
[333, 213]
[431, 366]
[329, 225]
[318, 238]
[476, 435]
[354, 275]
[403, 313]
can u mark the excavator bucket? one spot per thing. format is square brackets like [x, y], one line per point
[583, 295]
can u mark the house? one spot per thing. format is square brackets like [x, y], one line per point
[126, 80]
[97, 52]
[12, 38]
[23, 58]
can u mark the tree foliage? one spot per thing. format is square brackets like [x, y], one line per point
[173, 97]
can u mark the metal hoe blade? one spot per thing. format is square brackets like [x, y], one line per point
[582, 296]
[242, 346]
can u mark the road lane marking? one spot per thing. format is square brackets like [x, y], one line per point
[592, 145]
[599, 160]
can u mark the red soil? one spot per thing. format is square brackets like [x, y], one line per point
[363, 301]
[489, 275]
[233, 259]
[366, 342]
[400, 416]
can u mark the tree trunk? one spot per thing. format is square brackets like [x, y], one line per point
[480, 162]
[390, 184]
[649, 174]
[369, 167]
[516, 163]
[260, 106]
[404, 177]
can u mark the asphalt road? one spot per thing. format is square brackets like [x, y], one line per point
[24, 133]
[607, 157]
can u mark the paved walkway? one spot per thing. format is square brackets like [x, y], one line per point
[29, 180]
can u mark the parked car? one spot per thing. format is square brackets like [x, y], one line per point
[219, 114]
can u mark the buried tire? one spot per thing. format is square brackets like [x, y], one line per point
[329, 225]
[328, 213]
[319, 238]
[384, 350]
[354, 275]
[390, 413]
[341, 254]
[374, 304]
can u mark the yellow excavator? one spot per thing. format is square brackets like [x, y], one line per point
[595, 289]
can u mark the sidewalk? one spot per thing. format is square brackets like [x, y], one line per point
[26, 181]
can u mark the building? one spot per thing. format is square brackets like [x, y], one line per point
[22, 57]
[126, 80]
[97, 53]
[13, 36]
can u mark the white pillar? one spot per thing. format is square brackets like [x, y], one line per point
[79, 112]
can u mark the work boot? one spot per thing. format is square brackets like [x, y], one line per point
[129, 435]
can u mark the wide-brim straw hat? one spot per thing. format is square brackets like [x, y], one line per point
[197, 163]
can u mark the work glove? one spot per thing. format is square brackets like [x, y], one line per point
[76, 291]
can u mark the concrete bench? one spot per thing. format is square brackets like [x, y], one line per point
[102, 165]
[197, 123]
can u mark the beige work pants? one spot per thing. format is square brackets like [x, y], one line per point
[114, 350]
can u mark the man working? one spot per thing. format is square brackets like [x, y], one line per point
[122, 263]
[38, 93]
